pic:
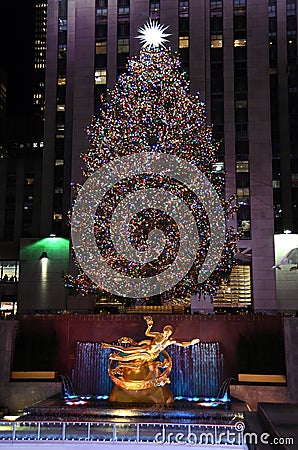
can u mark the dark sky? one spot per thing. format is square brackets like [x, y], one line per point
[16, 50]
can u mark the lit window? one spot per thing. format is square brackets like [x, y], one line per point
[59, 162]
[239, 42]
[60, 127]
[100, 76]
[183, 42]
[60, 107]
[243, 195]
[57, 216]
[101, 48]
[29, 181]
[123, 45]
[9, 271]
[101, 11]
[61, 81]
[218, 166]
[238, 3]
[154, 9]
[275, 184]
[183, 8]
[291, 9]
[241, 104]
[238, 291]
[242, 166]
[214, 4]
[59, 190]
[62, 24]
[216, 41]
[272, 10]
[245, 225]
[124, 10]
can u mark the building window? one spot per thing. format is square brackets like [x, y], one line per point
[101, 11]
[275, 184]
[294, 178]
[154, 9]
[243, 195]
[60, 127]
[239, 42]
[239, 7]
[61, 81]
[123, 7]
[291, 8]
[101, 7]
[29, 181]
[123, 45]
[237, 292]
[183, 8]
[272, 10]
[101, 48]
[241, 130]
[60, 108]
[58, 190]
[100, 76]
[59, 162]
[9, 271]
[215, 4]
[183, 41]
[216, 41]
[241, 104]
[241, 166]
[57, 216]
[219, 166]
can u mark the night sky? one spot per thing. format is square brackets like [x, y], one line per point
[16, 50]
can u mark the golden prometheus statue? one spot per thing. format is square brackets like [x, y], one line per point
[143, 366]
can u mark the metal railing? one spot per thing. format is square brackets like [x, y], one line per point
[181, 433]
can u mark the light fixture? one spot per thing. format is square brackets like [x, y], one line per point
[43, 255]
[287, 231]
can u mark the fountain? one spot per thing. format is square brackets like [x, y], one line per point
[142, 371]
[197, 370]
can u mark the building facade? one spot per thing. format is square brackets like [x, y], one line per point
[240, 55]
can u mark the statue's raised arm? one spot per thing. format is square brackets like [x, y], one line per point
[148, 331]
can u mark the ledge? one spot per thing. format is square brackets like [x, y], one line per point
[260, 378]
[33, 375]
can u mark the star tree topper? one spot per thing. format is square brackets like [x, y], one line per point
[152, 35]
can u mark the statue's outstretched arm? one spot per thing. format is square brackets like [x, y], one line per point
[185, 343]
[113, 347]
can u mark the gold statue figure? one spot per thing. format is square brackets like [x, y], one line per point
[137, 366]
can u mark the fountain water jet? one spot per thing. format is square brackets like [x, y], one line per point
[197, 370]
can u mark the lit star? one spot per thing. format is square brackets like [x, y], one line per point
[152, 34]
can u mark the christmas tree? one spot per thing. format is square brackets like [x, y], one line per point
[151, 115]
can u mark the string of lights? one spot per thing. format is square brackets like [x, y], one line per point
[151, 110]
